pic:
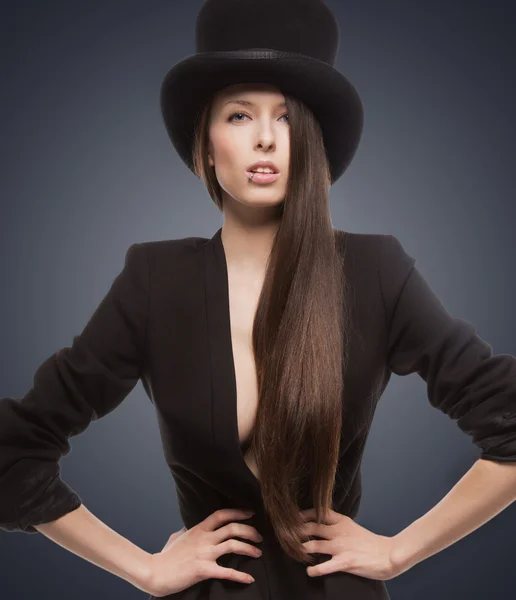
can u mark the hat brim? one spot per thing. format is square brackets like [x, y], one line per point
[333, 99]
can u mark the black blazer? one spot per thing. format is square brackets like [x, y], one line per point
[165, 320]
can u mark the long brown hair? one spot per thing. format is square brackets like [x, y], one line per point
[298, 334]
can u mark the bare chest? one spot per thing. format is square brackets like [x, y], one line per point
[243, 301]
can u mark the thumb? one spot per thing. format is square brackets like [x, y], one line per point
[174, 537]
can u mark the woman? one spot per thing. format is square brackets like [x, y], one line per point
[264, 349]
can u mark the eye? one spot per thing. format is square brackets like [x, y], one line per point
[231, 117]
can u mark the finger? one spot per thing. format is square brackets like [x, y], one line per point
[319, 546]
[219, 517]
[232, 530]
[318, 529]
[235, 546]
[231, 574]
[324, 568]
[329, 517]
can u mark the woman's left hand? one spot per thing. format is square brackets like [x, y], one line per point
[354, 548]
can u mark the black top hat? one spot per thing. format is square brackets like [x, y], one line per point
[291, 44]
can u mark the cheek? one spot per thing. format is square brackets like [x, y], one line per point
[229, 160]
[228, 150]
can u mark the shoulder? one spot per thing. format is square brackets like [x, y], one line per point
[383, 248]
[366, 242]
[164, 251]
[380, 258]
[174, 245]
[369, 248]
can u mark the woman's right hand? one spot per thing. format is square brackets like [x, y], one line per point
[189, 555]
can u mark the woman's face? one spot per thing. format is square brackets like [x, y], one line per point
[249, 123]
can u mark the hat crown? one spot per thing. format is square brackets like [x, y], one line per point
[302, 26]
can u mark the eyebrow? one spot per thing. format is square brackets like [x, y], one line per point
[247, 103]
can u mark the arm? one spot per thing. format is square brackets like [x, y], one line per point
[78, 384]
[466, 381]
[82, 533]
[483, 492]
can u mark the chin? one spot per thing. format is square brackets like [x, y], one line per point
[262, 200]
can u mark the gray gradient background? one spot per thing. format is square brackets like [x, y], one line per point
[87, 169]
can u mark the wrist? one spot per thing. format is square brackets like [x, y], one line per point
[402, 555]
[141, 574]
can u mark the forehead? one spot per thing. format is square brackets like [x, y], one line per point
[253, 93]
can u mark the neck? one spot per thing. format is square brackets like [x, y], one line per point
[247, 247]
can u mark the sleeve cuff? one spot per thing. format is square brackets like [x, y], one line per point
[55, 500]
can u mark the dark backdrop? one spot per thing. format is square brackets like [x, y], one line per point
[87, 169]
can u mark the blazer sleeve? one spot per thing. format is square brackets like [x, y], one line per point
[464, 379]
[76, 385]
